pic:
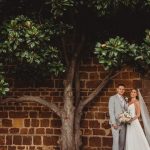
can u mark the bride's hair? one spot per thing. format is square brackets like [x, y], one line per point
[136, 93]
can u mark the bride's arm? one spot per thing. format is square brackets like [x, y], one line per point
[138, 110]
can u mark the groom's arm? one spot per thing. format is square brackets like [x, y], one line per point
[112, 111]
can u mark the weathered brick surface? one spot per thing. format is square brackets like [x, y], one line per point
[31, 126]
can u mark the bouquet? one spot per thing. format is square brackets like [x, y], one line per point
[125, 117]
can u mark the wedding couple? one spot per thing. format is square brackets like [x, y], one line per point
[127, 136]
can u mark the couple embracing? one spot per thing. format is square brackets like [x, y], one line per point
[126, 136]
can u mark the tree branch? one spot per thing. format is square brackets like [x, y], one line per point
[77, 86]
[110, 76]
[65, 51]
[39, 100]
[74, 61]
[77, 76]
[79, 48]
[73, 40]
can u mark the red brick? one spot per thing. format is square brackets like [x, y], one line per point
[33, 148]
[45, 114]
[14, 130]
[99, 132]
[3, 114]
[2, 140]
[58, 99]
[94, 124]
[3, 130]
[137, 84]
[103, 75]
[8, 140]
[125, 75]
[18, 114]
[28, 108]
[89, 115]
[134, 75]
[83, 93]
[20, 147]
[84, 75]
[17, 140]
[34, 123]
[37, 108]
[19, 108]
[23, 131]
[37, 140]
[9, 108]
[54, 93]
[84, 140]
[59, 84]
[46, 83]
[27, 122]
[107, 141]
[106, 125]
[7, 123]
[110, 93]
[56, 123]
[82, 84]
[99, 115]
[84, 124]
[92, 84]
[93, 108]
[27, 140]
[57, 131]
[44, 123]
[104, 99]
[40, 131]
[94, 76]
[100, 68]
[87, 132]
[18, 93]
[12, 148]
[44, 93]
[127, 83]
[50, 140]
[95, 141]
[49, 131]
[31, 131]
[146, 84]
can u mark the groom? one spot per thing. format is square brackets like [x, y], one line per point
[117, 105]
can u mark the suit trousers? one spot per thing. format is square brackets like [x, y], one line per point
[119, 137]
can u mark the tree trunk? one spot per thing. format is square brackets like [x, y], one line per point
[67, 141]
[68, 117]
[77, 132]
[78, 140]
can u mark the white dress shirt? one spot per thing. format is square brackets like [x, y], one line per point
[122, 100]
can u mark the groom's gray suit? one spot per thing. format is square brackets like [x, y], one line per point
[117, 105]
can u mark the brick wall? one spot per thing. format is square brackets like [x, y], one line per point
[146, 92]
[30, 126]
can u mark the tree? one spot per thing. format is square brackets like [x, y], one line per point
[34, 43]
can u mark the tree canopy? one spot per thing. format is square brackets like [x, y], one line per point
[51, 37]
[37, 34]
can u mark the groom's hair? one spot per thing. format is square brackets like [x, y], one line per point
[121, 85]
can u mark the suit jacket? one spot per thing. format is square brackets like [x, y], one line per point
[116, 108]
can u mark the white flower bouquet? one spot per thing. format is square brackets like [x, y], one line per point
[125, 117]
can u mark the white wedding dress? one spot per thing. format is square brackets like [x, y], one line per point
[135, 137]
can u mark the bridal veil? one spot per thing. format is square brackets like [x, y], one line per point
[145, 116]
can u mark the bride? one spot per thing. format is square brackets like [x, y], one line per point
[135, 137]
